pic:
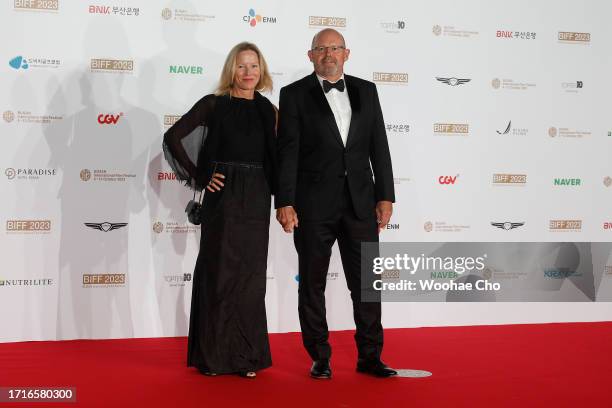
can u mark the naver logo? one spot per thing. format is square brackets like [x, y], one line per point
[186, 69]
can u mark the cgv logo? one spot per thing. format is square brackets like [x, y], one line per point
[109, 119]
[447, 179]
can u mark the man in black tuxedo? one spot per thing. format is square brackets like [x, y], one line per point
[331, 129]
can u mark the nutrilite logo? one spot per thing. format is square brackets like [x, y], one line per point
[26, 282]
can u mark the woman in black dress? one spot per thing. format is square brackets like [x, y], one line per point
[228, 328]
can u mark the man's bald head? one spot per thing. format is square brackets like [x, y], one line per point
[328, 53]
[325, 32]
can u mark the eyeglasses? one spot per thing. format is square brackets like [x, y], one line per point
[333, 48]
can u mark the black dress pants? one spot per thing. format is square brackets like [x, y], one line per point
[313, 241]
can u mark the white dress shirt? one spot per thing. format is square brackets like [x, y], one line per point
[341, 107]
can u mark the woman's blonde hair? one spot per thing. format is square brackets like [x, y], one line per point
[226, 81]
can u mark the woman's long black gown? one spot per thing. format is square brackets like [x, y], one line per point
[228, 328]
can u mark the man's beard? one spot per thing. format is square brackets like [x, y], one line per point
[330, 69]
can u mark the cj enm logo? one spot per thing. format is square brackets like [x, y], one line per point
[253, 18]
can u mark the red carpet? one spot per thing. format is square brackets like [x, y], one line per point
[560, 365]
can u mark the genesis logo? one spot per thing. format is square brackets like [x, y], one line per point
[106, 226]
[453, 81]
[507, 130]
[507, 225]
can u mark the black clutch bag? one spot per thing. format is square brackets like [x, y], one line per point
[194, 210]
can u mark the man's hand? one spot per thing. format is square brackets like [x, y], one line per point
[384, 209]
[287, 217]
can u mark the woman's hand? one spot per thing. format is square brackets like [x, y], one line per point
[215, 183]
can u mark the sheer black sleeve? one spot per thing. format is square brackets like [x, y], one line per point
[176, 139]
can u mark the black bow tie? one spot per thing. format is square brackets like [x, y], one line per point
[339, 85]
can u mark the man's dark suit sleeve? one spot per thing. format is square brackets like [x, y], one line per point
[380, 157]
[288, 146]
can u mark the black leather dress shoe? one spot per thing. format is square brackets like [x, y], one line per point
[321, 370]
[375, 367]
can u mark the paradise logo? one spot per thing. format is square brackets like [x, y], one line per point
[253, 18]
[109, 119]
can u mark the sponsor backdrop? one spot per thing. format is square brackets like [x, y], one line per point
[497, 115]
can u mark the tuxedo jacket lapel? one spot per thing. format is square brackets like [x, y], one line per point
[320, 101]
[355, 99]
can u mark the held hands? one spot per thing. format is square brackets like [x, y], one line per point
[287, 217]
[384, 209]
[215, 183]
